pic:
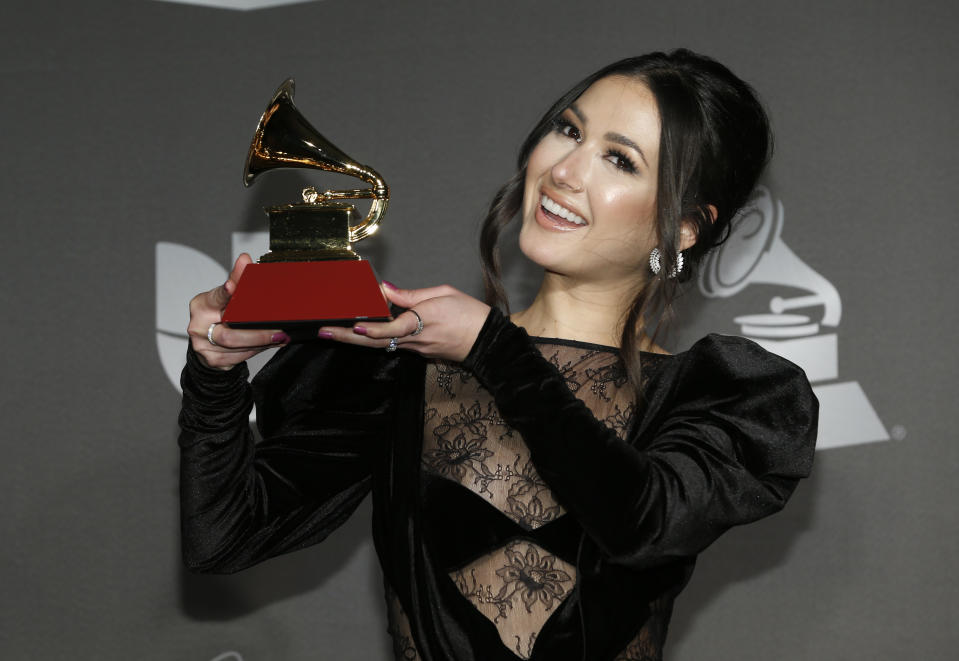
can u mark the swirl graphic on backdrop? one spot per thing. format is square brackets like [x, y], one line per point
[181, 273]
[756, 254]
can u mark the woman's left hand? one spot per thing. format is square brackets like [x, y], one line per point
[451, 322]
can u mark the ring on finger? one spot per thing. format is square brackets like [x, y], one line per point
[419, 322]
[392, 345]
[209, 333]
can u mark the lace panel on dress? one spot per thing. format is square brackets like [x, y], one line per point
[518, 586]
[398, 626]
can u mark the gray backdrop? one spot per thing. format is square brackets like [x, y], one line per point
[125, 125]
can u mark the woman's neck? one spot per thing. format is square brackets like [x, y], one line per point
[576, 311]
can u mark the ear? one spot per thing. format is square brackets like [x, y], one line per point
[687, 231]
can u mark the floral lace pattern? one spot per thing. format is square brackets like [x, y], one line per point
[518, 586]
[398, 626]
[648, 643]
[468, 442]
[520, 583]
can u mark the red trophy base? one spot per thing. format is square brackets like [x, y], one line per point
[299, 297]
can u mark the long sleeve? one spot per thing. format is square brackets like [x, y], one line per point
[242, 501]
[725, 433]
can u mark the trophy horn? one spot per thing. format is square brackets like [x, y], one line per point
[285, 139]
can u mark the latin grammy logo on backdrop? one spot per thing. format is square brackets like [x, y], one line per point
[181, 273]
[242, 5]
[756, 254]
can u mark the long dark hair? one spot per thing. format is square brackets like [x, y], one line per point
[714, 143]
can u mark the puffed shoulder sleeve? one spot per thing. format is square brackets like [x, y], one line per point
[724, 433]
[243, 501]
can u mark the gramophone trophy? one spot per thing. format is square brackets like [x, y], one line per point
[311, 276]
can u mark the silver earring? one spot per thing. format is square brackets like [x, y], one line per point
[656, 267]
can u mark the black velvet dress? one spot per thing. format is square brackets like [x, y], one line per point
[523, 507]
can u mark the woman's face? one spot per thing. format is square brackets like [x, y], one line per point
[589, 207]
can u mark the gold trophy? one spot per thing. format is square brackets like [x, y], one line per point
[311, 276]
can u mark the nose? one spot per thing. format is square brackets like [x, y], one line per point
[569, 171]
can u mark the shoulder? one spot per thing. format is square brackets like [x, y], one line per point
[725, 360]
[732, 384]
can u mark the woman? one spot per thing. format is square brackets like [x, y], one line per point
[533, 498]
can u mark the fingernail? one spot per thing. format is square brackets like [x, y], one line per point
[280, 338]
[359, 330]
[390, 285]
[325, 335]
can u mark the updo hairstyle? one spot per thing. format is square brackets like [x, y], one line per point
[714, 143]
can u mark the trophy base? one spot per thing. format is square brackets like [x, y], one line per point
[300, 297]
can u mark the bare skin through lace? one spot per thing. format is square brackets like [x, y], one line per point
[518, 586]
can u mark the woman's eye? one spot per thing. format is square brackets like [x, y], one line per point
[621, 161]
[566, 128]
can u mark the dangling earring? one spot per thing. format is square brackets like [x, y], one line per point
[656, 267]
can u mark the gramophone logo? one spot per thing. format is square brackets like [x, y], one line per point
[756, 254]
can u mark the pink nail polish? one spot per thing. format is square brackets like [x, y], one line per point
[280, 338]
[359, 330]
[325, 335]
[390, 285]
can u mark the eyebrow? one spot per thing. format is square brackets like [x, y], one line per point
[626, 142]
[573, 108]
[618, 138]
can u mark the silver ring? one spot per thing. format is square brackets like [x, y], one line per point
[209, 333]
[419, 322]
[392, 345]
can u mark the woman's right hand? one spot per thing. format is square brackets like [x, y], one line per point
[233, 346]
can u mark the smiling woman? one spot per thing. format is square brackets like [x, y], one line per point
[678, 127]
[589, 211]
[542, 482]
